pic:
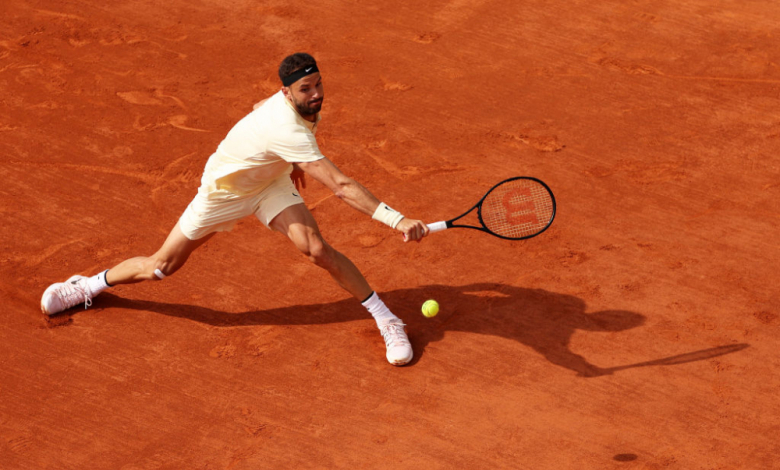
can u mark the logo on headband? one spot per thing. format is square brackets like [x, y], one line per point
[299, 74]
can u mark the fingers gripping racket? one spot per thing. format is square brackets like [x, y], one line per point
[514, 209]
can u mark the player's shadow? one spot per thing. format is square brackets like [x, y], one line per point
[542, 320]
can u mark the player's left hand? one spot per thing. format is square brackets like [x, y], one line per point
[298, 178]
[413, 230]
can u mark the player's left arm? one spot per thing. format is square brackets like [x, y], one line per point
[358, 197]
[297, 177]
[258, 104]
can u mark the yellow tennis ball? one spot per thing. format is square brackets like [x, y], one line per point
[430, 308]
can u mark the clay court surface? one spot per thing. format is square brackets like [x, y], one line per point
[639, 332]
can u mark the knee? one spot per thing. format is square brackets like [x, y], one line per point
[158, 268]
[318, 252]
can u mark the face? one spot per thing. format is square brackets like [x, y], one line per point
[306, 94]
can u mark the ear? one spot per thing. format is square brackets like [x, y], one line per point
[286, 92]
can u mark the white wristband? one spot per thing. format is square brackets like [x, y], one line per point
[387, 215]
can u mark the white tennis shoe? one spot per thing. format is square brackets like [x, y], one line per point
[64, 295]
[399, 349]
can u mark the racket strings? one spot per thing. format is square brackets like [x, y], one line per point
[517, 209]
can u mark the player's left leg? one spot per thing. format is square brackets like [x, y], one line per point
[297, 223]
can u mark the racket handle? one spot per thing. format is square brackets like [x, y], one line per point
[437, 226]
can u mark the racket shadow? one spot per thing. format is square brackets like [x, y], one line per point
[542, 320]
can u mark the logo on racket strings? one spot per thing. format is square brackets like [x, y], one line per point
[520, 209]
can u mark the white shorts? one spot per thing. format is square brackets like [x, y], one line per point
[208, 213]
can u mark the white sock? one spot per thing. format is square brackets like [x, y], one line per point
[97, 283]
[379, 310]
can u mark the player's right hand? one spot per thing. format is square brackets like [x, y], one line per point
[413, 230]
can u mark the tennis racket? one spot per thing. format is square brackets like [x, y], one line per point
[514, 209]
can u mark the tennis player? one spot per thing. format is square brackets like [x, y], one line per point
[257, 169]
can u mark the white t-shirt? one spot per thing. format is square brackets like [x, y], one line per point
[259, 148]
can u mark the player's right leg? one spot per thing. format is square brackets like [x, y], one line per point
[203, 217]
[80, 289]
[166, 261]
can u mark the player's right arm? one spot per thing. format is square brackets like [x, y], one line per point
[344, 187]
[357, 196]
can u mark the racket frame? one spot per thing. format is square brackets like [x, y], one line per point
[438, 226]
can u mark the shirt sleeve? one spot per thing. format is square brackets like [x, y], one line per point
[296, 144]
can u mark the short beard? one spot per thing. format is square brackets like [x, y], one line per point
[304, 109]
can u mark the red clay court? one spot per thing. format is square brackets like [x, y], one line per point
[639, 332]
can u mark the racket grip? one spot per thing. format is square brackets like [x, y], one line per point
[437, 226]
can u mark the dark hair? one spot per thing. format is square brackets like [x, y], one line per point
[293, 63]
